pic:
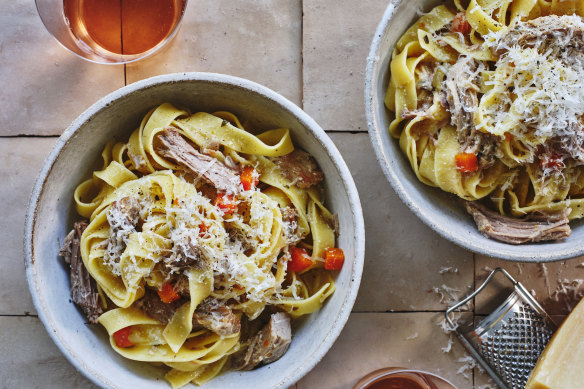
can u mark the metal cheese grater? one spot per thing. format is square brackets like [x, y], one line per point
[508, 342]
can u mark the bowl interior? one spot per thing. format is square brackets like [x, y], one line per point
[52, 213]
[439, 210]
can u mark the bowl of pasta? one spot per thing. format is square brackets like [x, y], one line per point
[475, 111]
[194, 228]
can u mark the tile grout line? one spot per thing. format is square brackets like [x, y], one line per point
[302, 53]
[27, 136]
[57, 135]
[19, 315]
[353, 132]
[421, 311]
[474, 307]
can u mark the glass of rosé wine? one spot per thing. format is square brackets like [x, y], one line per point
[112, 31]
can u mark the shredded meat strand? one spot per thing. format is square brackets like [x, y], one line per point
[461, 100]
[300, 168]
[268, 345]
[552, 32]
[536, 227]
[217, 317]
[83, 288]
[171, 145]
[153, 306]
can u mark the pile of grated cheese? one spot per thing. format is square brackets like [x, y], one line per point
[220, 247]
[540, 90]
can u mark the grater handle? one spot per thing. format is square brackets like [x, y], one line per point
[477, 291]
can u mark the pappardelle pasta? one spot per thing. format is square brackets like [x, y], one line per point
[202, 242]
[488, 97]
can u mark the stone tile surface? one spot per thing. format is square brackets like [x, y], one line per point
[313, 52]
[371, 341]
[403, 257]
[23, 158]
[258, 40]
[337, 36]
[44, 87]
[31, 360]
[552, 283]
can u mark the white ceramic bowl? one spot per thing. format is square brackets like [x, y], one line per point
[52, 213]
[439, 210]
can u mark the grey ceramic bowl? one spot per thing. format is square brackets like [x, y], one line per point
[51, 214]
[439, 210]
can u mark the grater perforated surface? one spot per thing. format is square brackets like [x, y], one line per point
[512, 343]
[508, 342]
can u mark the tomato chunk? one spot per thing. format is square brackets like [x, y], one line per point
[334, 258]
[226, 203]
[551, 162]
[466, 162]
[249, 178]
[460, 24]
[167, 293]
[299, 259]
[121, 337]
[203, 228]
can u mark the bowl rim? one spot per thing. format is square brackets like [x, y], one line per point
[384, 160]
[337, 323]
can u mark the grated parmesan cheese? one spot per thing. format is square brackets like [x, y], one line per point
[446, 349]
[544, 272]
[569, 291]
[450, 269]
[449, 295]
[413, 336]
[468, 364]
[538, 90]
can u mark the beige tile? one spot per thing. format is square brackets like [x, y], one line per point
[44, 87]
[31, 360]
[403, 257]
[483, 381]
[337, 36]
[371, 341]
[258, 40]
[22, 160]
[545, 280]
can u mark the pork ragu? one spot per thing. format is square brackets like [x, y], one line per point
[191, 236]
[494, 113]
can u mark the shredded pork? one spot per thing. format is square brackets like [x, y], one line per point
[153, 306]
[83, 288]
[460, 97]
[171, 145]
[217, 317]
[536, 227]
[268, 345]
[300, 168]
